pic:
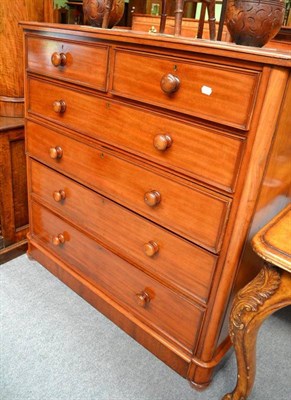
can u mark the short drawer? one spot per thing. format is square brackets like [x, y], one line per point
[191, 211]
[207, 155]
[205, 90]
[176, 261]
[83, 64]
[163, 309]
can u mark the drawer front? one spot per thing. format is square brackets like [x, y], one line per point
[176, 261]
[83, 63]
[166, 311]
[210, 91]
[199, 215]
[209, 156]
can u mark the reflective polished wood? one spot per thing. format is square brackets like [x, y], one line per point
[13, 191]
[268, 292]
[144, 188]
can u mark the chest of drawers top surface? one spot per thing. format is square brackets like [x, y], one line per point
[139, 149]
[266, 55]
[185, 78]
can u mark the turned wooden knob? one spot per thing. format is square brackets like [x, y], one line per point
[152, 198]
[56, 152]
[170, 83]
[58, 59]
[143, 298]
[151, 248]
[58, 239]
[59, 106]
[162, 142]
[59, 195]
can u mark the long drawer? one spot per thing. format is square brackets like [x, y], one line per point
[83, 64]
[200, 215]
[209, 156]
[163, 309]
[206, 90]
[176, 261]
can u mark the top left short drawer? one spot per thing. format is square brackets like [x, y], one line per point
[80, 63]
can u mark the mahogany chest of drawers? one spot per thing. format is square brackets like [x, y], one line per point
[147, 157]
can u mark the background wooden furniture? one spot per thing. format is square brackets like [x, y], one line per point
[145, 8]
[208, 5]
[268, 292]
[11, 55]
[13, 193]
[75, 13]
[169, 19]
[189, 27]
[147, 157]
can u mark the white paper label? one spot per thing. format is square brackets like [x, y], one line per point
[206, 90]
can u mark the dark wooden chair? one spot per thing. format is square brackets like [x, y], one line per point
[208, 5]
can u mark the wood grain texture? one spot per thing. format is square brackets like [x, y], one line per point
[13, 189]
[177, 262]
[189, 28]
[172, 208]
[48, 10]
[194, 149]
[203, 91]
[201, 215]
[264, 133]
[133, 326]
[272, 243]
[11, 55]
[268, 292]
[169, 44]
[107, 272]
[85, 64]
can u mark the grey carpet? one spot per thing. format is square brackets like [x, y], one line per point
[55, 346]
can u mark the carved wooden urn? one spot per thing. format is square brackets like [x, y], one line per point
[103, 13]
[254, 22]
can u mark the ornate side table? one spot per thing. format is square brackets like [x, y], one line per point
[269, 291]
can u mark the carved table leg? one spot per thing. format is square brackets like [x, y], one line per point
[269, 291]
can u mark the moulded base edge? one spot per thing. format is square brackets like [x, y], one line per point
[170, 355]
